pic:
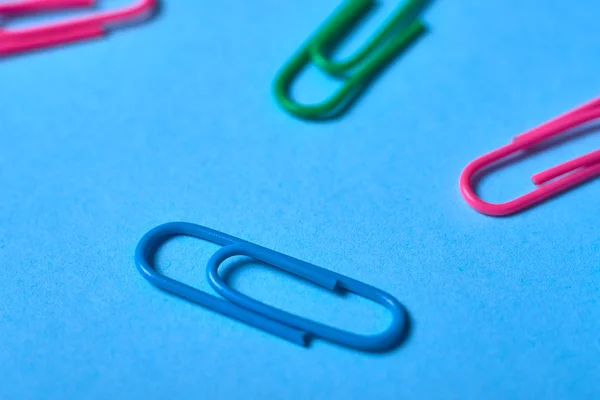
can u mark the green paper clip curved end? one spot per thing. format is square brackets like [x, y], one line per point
[374, 55]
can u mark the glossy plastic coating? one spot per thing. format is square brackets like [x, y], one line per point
[73, 29]
[398, 32]
[288, 326]
[549, 182]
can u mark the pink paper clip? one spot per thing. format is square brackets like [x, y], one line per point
[549, 182]
[74, 29]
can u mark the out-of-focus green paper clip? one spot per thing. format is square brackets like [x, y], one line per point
[400, 30]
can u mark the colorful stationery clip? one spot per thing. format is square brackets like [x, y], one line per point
[285, 325]
[549, 182]
[74, 29]
[397, 33]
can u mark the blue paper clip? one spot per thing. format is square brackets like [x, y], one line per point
[285, 325]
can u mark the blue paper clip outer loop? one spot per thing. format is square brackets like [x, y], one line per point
[144, 254]
[327, 279]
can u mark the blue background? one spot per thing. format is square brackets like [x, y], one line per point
[174, 120]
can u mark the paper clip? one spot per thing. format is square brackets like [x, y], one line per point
[549, 182]
[366, 62]
[287, 326]
[74, 29]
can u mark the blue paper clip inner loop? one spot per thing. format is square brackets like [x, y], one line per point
[316, 275]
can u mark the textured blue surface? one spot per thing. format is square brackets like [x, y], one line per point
[174, 120]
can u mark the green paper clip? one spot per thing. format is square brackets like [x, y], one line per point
[400, 30]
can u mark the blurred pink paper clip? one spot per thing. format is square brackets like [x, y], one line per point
[73, 29]
[549, 182]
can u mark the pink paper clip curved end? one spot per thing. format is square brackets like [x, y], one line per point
[468, 192]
